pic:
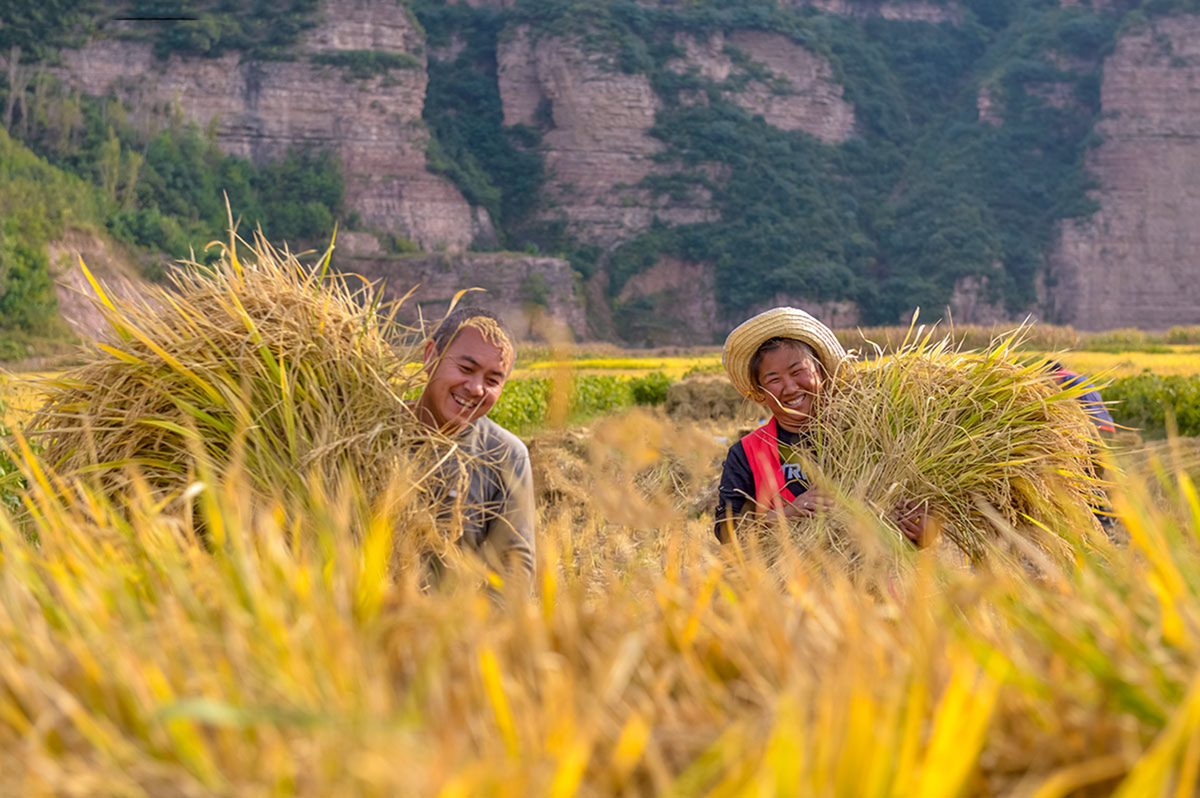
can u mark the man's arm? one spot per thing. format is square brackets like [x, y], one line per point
[509, 533]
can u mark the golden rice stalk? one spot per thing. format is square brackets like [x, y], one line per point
[289, 369]
[989, 445]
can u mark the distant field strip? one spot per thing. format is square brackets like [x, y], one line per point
[1182, 361]
[20, 397]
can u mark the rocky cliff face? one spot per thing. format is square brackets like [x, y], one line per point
[1134, 263]
[675, 303]
[522, 290]
[598, 148]
[801, 93]
[899, 10]
[261, 109]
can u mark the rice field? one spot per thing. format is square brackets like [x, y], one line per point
[201, 633]
[1182, 360]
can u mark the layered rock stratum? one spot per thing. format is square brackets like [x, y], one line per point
[261, 109]
[1136, 261]
[597, 146]
[525, 291]
[1132, 263]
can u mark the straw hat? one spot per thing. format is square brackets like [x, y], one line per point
[744, 341]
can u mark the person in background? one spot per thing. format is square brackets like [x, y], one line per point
[785, 360]
[468, 360]
[1094, 406]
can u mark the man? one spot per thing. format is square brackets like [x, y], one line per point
[468, 360]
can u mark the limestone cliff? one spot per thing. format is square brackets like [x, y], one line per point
[523, 290]
[597, 147]
[261, 109]
[1135, 262]
[801, 94]
[897, 10]
[675, 302]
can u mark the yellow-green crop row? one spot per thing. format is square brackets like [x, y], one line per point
[1182, 361]
[20, 398]
[674, 367]
[1109, 365]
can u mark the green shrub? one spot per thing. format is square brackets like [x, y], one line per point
[166, 191]
[1144, 402]
[494, 166]
[12, 481]
[364, 64]
[1184, 335]
[37, 202]
[525, 403]
[650, 389]
[265, 29]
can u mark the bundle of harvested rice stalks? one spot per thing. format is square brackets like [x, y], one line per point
[287, 373]
[989, 445]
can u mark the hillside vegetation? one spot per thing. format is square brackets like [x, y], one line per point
[926, 192]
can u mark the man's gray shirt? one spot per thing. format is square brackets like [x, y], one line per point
[498, 512]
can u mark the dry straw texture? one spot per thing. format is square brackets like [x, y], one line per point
[993, 448]
[277, 656]
[284, 367]
[136, 661]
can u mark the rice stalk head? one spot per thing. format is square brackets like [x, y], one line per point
[298, 371]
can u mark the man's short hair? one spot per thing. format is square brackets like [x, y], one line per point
[489, 325]
[771, 344]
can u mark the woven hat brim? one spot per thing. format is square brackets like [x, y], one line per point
[785, 322]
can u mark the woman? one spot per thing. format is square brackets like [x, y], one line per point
[786, 361]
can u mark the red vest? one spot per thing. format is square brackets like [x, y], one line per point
[762, 450]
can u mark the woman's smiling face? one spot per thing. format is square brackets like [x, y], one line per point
[789, 381]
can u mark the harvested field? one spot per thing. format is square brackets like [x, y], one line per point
[708, 398]
[291, 642]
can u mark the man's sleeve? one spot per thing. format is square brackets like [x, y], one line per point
[737, 483]
[509, 536]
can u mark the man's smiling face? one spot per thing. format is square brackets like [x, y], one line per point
[464, 381]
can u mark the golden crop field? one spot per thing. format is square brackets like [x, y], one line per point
[632, 365]
[256, 610]
[19, 396]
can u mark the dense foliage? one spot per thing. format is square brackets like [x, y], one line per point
[262, 29]
[162, 185]
[1149, 403]
[494, 166]
[36, 202]
[39, 28]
